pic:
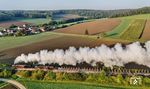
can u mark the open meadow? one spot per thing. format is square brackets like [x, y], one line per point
[72, 85]
[140, 16]
[120, 28]
[134, 31]
[65, 85]
[129, 29]
[36, 21]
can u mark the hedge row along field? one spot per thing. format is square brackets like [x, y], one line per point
[134, 31]
[94, 27]
[146, 32]
[120, 28]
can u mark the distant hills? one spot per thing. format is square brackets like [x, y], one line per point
[93, 14]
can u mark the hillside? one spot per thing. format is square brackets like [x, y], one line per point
[48, 41]
[123, 30]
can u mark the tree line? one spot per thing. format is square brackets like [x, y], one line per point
[101, 77]
[13, 15]
[92, 14]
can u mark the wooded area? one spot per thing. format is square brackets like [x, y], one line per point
[93, 14]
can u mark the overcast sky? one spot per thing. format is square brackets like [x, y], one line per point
[71, 4]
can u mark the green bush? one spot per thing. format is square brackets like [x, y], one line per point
[5, 73]
[38, 74]
[50, 76]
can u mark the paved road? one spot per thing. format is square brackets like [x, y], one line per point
[13, 82]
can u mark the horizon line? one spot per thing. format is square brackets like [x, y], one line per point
[67, 9]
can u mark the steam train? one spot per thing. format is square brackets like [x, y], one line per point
[87, 68]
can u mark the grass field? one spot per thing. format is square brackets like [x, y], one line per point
[71, 85]
[35, 21]
[134, 31]
[120, 28]
[126, 21]
[141, 16]
[10, 42]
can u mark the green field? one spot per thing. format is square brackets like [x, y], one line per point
[10, 42]
[126, 21]
[128, 29]
[115, 32]
[35, 21]
[70, 85]
[141, 16]
[134, 30]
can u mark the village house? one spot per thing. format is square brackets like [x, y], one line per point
[24, 29]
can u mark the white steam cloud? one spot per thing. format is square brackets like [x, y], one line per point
[117, 55]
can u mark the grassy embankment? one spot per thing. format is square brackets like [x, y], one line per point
[37, 84]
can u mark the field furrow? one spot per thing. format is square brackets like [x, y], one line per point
[134, 31]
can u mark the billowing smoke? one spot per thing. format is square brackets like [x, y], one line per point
[116, 55]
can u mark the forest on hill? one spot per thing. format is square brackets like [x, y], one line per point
[93, 14]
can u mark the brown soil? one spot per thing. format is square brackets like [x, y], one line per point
[93, 27]
[51, 44]
[9, 87]
[146, 33]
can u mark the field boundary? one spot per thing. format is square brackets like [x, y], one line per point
[143, 29]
